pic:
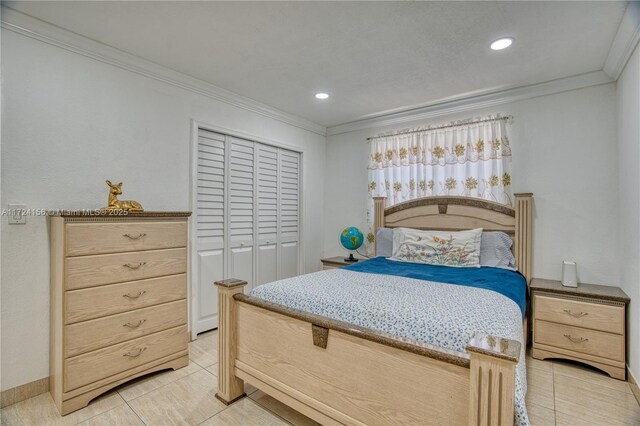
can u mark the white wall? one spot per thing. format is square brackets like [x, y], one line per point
[69, 123]
[564, 151]
[628, 91]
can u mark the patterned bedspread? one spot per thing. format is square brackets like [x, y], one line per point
[446, 315]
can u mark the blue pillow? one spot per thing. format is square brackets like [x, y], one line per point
[384, 242]
[495, 251]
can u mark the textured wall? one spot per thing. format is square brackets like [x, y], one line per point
[69, 123]
[564, 151]
[629, 194]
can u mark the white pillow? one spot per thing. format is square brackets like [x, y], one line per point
[457, 249]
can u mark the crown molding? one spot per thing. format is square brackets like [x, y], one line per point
[625, 42]
[477, 101]
[28, 26]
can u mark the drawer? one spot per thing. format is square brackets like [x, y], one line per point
[582, 340]
[89, 271]
[327, 267]
[93, 366]
[95, 334]
[580, 314]
[96, 302]
[115, 237]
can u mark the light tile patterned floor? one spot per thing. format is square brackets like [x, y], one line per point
[560, 393]
[566, 393]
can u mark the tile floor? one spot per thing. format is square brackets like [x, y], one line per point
[560, 393]
[565, 393]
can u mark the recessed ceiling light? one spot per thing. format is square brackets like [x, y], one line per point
[322, 95]
[502, 43]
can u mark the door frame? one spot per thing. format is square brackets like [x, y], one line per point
[193, 203]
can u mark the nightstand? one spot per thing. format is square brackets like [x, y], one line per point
[585, 323]
[336, 262]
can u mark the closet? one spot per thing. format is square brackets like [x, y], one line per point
[247, 199]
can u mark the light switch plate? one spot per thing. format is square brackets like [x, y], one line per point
[16, 216]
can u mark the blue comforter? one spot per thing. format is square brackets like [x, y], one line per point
[511, 284]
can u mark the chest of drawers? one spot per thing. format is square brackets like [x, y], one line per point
[118, 301]
[585, 324]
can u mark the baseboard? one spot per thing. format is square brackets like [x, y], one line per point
[22, 392]
[633, 384]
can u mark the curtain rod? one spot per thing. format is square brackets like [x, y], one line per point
[445, 126]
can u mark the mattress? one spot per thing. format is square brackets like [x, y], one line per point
[445, 314]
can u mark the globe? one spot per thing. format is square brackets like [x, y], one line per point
[351, 238]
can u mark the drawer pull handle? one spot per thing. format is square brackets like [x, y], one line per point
[574, 340]
[142, 321]
[135, 355]
[576, 315]
[140, 293]
[132, 237]
[138, 266]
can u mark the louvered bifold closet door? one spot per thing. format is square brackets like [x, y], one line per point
[241, 209]
[289, 191]
[210, 194]
[267, 214]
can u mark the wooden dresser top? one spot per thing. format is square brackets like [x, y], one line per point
[602, 292]
[116, 213]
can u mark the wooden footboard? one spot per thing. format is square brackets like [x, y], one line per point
[338, 373]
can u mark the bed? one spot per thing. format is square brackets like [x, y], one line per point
[321, 349]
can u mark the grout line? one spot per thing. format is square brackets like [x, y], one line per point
[210, 373]
[98, 414]
[555, 409]
[135, 412]
[166, 384]
[600, 386]
[150, 376]
[271, 411]
[553, 381]
[201, 366]
[608, 394]
[583, 422]
[208, 418]
[228, 406]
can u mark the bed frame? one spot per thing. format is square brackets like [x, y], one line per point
[338, 373]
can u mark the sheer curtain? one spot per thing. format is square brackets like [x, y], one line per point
[469, 160]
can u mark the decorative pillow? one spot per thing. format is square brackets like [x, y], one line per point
[458, 249]
[384, 242]
[495, 251]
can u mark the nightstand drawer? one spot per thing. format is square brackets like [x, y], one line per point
[581, 340]
[580, 314]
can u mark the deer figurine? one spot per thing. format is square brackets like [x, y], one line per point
[115, 204]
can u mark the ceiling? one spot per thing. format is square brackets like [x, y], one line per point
[371, 57]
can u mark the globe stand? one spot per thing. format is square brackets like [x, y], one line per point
[351, 239]
[351, 258]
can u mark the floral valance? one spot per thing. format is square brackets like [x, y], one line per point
[471, 160]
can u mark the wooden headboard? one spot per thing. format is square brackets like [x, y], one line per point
[459, 213]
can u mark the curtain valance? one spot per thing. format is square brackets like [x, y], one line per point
[471, 159]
